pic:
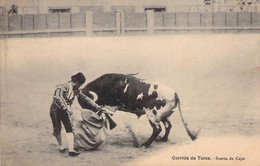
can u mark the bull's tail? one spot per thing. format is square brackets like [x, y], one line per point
[193, 134]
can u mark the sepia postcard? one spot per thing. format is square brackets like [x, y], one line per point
[130, 83]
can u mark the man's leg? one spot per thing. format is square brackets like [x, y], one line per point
[70, 136]
[61, 147]
[56, 122]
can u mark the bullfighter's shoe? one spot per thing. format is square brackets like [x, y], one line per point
[62, 150]
[73, 154]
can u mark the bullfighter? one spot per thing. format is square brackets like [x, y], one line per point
[60, 110]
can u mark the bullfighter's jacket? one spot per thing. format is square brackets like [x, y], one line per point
[64, 96]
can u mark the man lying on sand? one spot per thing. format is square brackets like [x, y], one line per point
[61, 111]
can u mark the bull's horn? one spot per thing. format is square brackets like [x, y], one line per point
[133, 74]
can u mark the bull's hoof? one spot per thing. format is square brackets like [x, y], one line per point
[137, 145]
[161, 139]
[164, 139]
[145, 145]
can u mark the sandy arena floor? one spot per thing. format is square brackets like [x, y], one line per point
[217, 77]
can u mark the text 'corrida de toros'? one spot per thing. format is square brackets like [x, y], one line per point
[191, 158]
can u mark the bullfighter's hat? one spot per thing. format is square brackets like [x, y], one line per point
[78, 78]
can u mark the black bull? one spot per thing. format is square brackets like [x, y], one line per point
[131, 94]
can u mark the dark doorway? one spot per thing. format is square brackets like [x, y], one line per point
[155, 9]
[59, 10]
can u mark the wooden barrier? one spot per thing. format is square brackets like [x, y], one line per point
[244, 19]
[4, 23]
[231, 19]
[64, 20]
[104, 20]
[127, 29]
[207, 19]
[169, 19]
[77, 20]
[135, 20]
[15, 23]
[121, 23]
[194, 19]
[158, 19]
[40, 21]
[255, 19]
[182, 19]
[27, 22]
[219, 19]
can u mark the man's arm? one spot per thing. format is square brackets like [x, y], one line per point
[59, 97]
[88, 100]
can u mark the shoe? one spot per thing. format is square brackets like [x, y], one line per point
[62, 150]
[73, 154]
